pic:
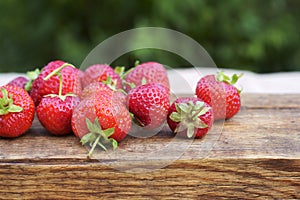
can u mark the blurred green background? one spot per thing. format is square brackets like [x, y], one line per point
[257, 35]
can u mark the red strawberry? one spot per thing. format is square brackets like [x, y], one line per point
[19, 81]
[219, 92]
[101, 119]
[70, 75]
[96, 87]
[100, 73]
[25, 82]
[55, 113]
[190, 117]
[150, 72]
[150, 104]
[16, 111]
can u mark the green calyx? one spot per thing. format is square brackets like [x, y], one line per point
[221, 77]
[57, 72]
[187, 115]
[112, 84]
[7, 104]
[120, 70]
[31, 75]
[98, 137]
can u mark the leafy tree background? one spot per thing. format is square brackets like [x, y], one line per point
[261, 36]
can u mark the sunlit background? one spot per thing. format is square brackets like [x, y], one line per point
[260, 36]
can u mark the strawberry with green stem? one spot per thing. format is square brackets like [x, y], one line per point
[16, 111]
[101, 73]
[97, 136]
[148, 72]
[190, 117]
[71, 83]
[25, 82]
[101, 119]
[220, 93]
[55, 110]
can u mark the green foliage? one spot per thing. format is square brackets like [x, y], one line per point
[262, 36]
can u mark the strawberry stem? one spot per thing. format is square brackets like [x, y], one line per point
[57, 70]
[98, 136]
[58, 73]
[60, 84]
[94, 146]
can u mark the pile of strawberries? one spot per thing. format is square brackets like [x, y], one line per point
[101, 104]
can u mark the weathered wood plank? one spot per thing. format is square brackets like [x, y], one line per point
[256, 154]
[209, 178]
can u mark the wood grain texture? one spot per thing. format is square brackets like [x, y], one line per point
[255, 155]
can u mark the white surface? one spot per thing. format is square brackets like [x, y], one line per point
[185, 80]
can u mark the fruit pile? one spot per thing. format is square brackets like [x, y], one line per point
[101, 104]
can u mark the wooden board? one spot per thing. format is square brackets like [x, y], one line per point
[255, 155]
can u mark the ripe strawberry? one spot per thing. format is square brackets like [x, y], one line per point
[19, 81]
[190, 117]
[55, 113]
[101, 119]
[100, 73]
[150, 104]
[150, 72]
[16, 111]
[98, 86]
[218, 91]
[70, 75]
[25, 82]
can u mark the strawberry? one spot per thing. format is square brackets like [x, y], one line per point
[70, 75]
[100, 73]
[149, 72]
[25, 82]
[219, 92]
[190, 117]
[97, 86]
[19, 81]
[101, 119]
[55, 113]
[16, 111]
[149, 104]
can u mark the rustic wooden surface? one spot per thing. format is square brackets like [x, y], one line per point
[255, 155]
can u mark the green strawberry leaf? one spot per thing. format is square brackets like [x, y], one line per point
[114, 143]
[108, 132]
[14, 108]
[32, 75]
[190, 131]
[203, 111]
[90, 125]
[200, 124]
[7, 104]
[199, 105]
[120, 70]
[86, 138]
[175, 117]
